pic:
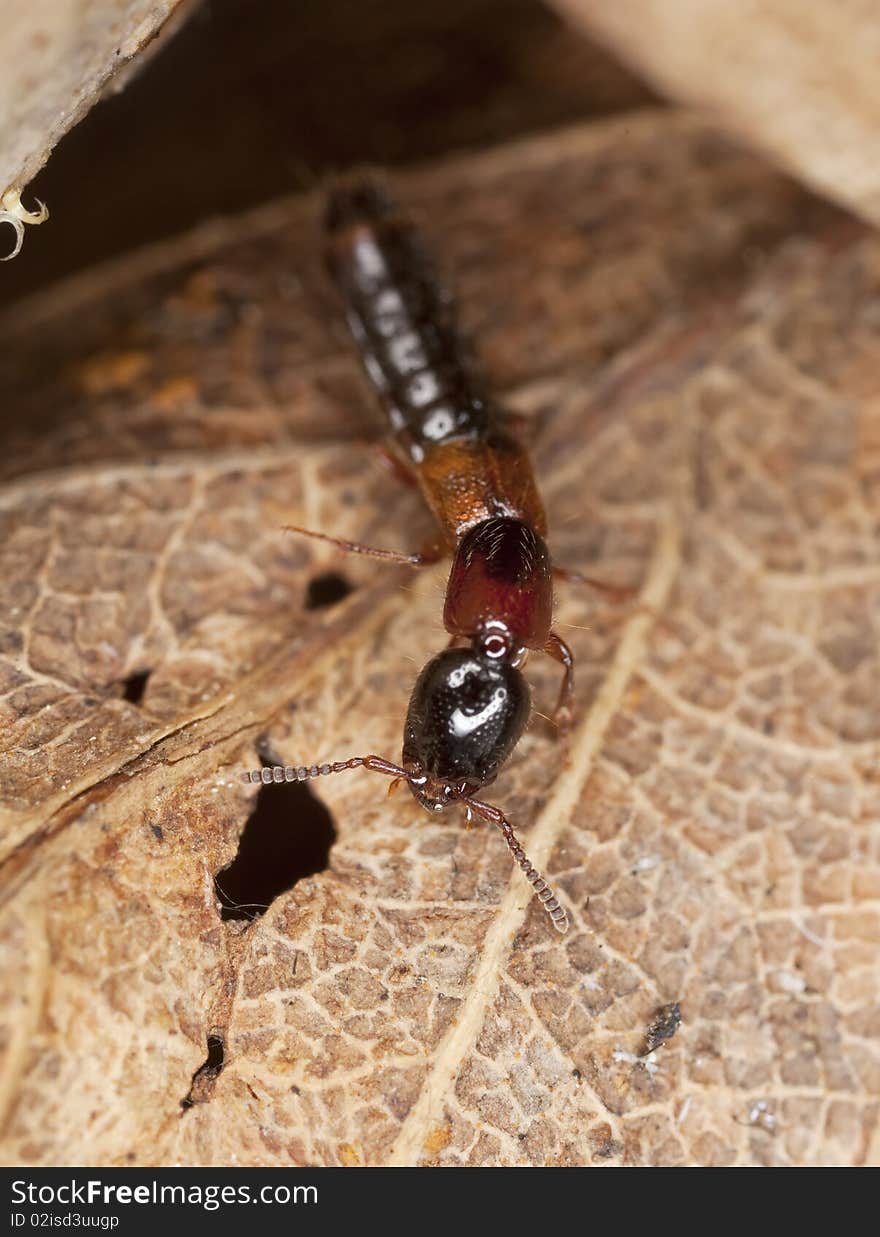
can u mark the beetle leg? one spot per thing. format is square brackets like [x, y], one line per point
[559, 651]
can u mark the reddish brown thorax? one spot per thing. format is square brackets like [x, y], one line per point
[500, 588]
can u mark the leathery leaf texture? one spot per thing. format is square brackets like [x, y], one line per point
[698, 344]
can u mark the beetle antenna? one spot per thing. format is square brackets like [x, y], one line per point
[543, 891]
[377, 764]
[357, 547]
[287, 773]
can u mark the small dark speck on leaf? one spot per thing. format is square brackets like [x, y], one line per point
[663, 1026]
[607, 1150]
[157, 832]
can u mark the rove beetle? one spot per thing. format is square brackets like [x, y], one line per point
[471, 702]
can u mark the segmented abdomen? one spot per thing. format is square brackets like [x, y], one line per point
[403, 321]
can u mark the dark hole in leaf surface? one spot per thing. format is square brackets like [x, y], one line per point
[134, 686]
[287, 837]
[327, 589]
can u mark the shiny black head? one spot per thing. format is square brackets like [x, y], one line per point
[465, 717]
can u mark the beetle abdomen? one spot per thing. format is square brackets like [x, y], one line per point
[402, 319]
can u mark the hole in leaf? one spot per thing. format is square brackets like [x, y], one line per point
[134, 686]
[327, 589]
[207, 1074]
[287, 837]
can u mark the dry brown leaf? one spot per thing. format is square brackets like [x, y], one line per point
[704, 340]
[798, 78]
[56, 56]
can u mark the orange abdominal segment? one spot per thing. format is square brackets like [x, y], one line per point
[468, 480]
